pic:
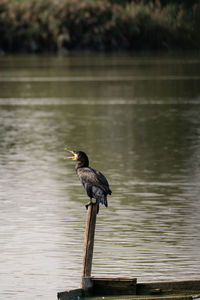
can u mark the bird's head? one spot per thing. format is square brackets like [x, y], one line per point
[80, 156]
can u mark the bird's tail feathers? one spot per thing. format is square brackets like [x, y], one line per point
[105, 201]
[102, 200]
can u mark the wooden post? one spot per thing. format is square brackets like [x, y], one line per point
[88, 245]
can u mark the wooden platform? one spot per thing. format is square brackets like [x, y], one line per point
[124, 286]
[169, 290]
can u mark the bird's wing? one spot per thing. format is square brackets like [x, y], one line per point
[94, 178]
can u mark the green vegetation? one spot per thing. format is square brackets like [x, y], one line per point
[54, 25]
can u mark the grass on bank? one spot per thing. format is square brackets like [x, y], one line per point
[53, 25]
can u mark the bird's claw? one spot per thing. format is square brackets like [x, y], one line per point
[88, 204]
[92, 203]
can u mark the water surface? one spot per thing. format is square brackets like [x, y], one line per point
[137, 117]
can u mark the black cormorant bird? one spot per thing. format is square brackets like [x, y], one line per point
[93, 181]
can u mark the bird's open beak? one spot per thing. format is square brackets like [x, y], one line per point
[73, 157]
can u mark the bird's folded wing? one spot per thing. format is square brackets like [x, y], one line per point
[94, 178]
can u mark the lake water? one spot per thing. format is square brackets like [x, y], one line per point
[137, 116]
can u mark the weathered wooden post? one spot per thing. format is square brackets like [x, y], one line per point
[88, 246]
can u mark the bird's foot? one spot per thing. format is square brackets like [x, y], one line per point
[93, 203]
[88, 204]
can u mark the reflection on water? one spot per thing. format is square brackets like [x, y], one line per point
[138, 119]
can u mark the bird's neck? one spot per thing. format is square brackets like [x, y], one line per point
[82, 164]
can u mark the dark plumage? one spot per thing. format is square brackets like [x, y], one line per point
[93, 181]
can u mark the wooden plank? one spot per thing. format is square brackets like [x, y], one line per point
[78, 294]
[89, 243]
[170, 290]
[161, 298]
[113, 286]
[71, 295]
[186, 287]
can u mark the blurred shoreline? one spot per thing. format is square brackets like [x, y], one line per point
[38, 26]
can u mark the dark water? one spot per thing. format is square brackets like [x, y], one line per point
[138, 118]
